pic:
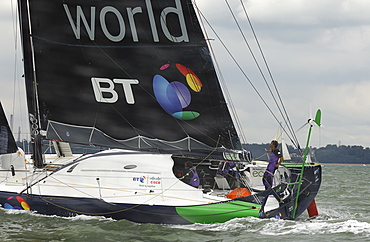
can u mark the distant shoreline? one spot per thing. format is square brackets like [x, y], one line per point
[343, 164]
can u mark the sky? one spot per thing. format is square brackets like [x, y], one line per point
[317, 51]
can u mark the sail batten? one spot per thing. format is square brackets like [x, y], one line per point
[96, 45]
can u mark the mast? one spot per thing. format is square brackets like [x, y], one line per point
[29, 76]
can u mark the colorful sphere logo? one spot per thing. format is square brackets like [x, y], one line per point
[142, 179]
[16, 203]
[174, 96]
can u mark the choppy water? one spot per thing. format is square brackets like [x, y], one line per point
[343, 203]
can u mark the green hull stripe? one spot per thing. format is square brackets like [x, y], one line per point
[288, 164]
[219, 212]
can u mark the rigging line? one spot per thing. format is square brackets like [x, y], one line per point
[214, 149]
[256, 62]
[246, 184]
[70, 186]
[127, 191]
[253, 56]
[286, 117]
[240, 68]
[290, 127]
[259, 157]
[222, 79]
[116, 211]
[228, 97]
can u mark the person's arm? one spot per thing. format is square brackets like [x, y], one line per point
[279, 161]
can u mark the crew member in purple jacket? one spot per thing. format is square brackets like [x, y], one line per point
[191, 177]
[275, 160]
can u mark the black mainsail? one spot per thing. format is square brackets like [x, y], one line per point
[129, 74]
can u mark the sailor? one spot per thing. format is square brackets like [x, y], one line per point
[275, 160]
[191, 176]
[225, 167]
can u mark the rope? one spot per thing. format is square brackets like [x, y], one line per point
[202, 159]
[241, 69]
[222, 79]
[285, 117]
[281, 107]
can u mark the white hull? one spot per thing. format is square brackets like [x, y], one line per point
[115, 176]
[111, 182]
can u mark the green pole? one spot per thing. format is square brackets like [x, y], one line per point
[318, 122]
[301, 175]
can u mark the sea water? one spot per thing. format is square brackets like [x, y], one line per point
[344, 214]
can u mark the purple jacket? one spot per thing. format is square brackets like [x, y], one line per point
[275, 155]
[194, 180]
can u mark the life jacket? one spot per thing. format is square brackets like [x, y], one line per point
[194, 180]
[275, 155]
[225, 168]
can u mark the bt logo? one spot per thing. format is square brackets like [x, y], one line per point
[141, 179]
[174, 96]
[106, 86]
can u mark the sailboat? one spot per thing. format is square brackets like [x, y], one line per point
[137, 78]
